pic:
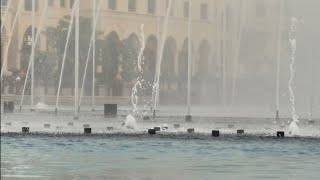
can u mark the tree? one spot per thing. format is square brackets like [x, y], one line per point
[130, 52]
[57, 41]
[111, 64]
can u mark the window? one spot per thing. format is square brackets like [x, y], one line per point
[62, 3]
[172, 7]
[4, 2]
[112, 4]
[204, 11]
[151, 6]
[71, 3]
[131, 5]
[50, 3]
[28, 5]
[186, 9]
[260, 9]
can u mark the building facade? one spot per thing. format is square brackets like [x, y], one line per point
[228, 39]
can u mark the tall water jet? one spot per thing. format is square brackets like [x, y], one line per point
[5, 57]
[278, 58]
[32, 53]
[221, 31]
[43, 17]
[312, 74]
[5, 14]
[76, 59]
[91, 46]
[64, 55]
[220, 53]
[155, 89]
[293, 128]
[140, 80]
[94, 20]
[189, 62]
[158, 4]
[242, 23]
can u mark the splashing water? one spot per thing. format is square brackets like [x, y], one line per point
[138, 87]
[130, 122]
[293, 128]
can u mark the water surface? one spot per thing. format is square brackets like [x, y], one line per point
[158, 157]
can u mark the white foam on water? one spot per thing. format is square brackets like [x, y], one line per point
[294, 129]
[130, 122]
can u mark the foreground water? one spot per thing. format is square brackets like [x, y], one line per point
[158, 157]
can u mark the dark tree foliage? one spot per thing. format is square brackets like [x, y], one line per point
[130, 52]
[57, 38]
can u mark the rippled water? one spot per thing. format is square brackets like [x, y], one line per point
[158, 157]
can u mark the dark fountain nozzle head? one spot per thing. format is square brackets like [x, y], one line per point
[157, 128]
[190, 130]
[240, 131]
[151, 131]
[280, 133]
[215, 133]
[25, 129]
[87, 130]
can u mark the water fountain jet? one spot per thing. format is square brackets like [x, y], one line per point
[76, 59]
[64, 55]
[92, 40]
[293, 127]
[140, 81]
[5, 14]
[31, 60]
[188, 116]
[155, 93]
[6, 53]
[278, 59]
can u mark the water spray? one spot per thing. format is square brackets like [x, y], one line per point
[5, 14]
[88, 55]
[32, 52]
[140, 80]
[155, 88]
[64, 55]
[6, 53]
[293, 128]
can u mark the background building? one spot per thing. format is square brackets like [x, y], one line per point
[234, 43]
